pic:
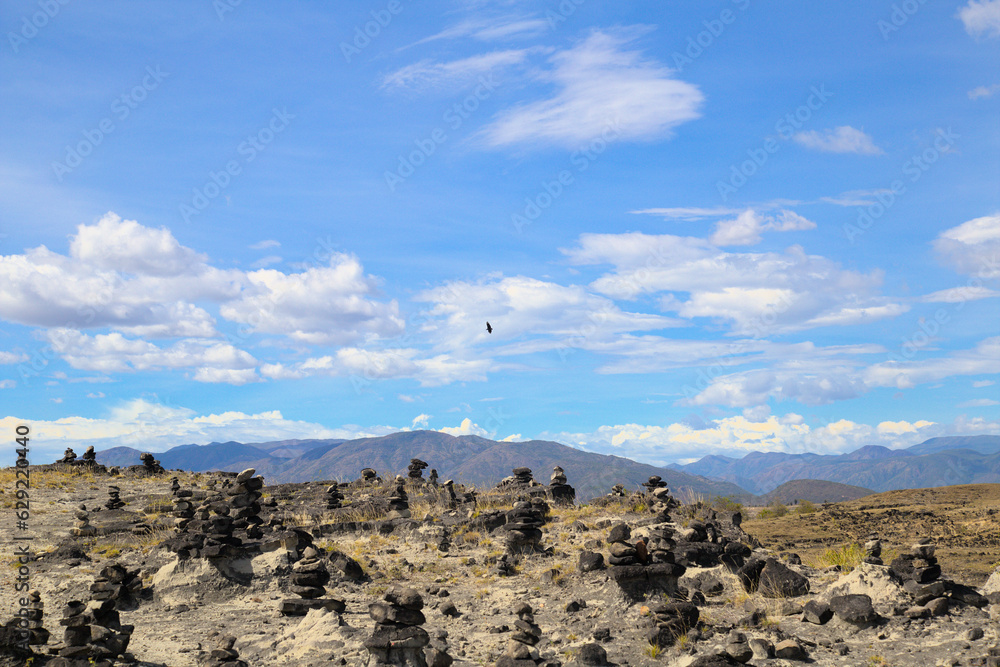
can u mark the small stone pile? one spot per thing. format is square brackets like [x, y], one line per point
[150, 465]
[398, 638]
[175, 486]
[69, 456]
[521, 651]
[93, 630]
[873, 550]
[369, 476]
[223, 655]
[522, 477]
[522, 528]
[415, 471]
[636, 575]
[183, 507]
[39, 635]
[399, 503]
[90, 456]
[654, 483]
[115, 501]
[920, 565]
[244, 498]
[661, 543]
[624, 552]
[82, 528]
[560, 492]
[334, 497]
[118, 584]
[433, 477]
[618, 491]
[309, 578]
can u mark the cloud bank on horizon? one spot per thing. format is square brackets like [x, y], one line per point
[683, 249]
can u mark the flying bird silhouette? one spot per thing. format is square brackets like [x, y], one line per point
[489, 329]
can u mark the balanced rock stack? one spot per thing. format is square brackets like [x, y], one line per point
[398, 638]
[618, 490]
[114, 498]
[415, 471]
[82, 527]
[150, 464]
[334, 497]
[183, 507]
[522, 528]
[873, 550]
[654, 483]
[399, 503]
[94, 631]
[39, 635]
[244, 499]
[560, 492]
[919, 566]
[90, 456]
[433, 477]
[175, 486]
[309, 578]
[119, 585]
[223, 655]
[521, 651]
[522, 477]
[623, 552]
[69, 456]
[636, 575]
[368, 475]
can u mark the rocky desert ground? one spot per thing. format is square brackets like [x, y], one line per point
[222, 569]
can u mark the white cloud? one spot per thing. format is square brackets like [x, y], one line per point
[602, 91]
[12, 357]
[843, 139]
[492, 29]
[114, 244]
[113, 353]
[420, 421]
[7, 384]
[973, 247]
[960, 294]
[982, 359]
[978, 384]
[96, 394]
[366, 366]
[979, 403]
[689, 213]
[406, 398]
[266, 261]
[981, 17]
[465, 428]
[980, 92]
[265, 244]
[747, 227]
[455, 72]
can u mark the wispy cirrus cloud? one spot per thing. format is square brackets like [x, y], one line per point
[428, 73]
[843, 139]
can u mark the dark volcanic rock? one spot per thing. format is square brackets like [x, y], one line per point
[855, 609]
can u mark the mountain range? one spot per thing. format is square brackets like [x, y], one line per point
[754, 478]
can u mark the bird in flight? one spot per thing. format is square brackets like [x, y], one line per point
[489, 329]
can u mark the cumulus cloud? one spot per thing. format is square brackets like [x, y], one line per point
[601, 90]
[748, 226]
[467, 427]
[981, 17]
[420, 421]
[12, 357]
[982, 92]
[366, 366]
[758, 293]
[843, 139]
[973, 247]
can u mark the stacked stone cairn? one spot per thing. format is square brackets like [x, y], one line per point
[654, 483]
[183, 507]
[118, 584]
[521, 477]
[433, 477]
[634, 571]
[618, 491]
[522, 529]
[309, 578]
[175, 486]
[69, 456]
[39, 636]
[521, 651]
[223, 655]
[334, 497]
[82, 527]
[560, 492]
[415, 471]
[93, 631]
[150, 465]
[369, 476]
[399, 502]
[244, 498]
[873, 550]
[114, 498]
[398, 638]
[90, 456]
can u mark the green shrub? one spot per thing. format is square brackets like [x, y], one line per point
[805, 507]
[726, 504]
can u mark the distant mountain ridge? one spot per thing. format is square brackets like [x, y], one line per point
[466, 458]
[943, 461]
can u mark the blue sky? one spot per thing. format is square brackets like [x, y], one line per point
[708, 227]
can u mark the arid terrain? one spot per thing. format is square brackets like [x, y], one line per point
[453, 560]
